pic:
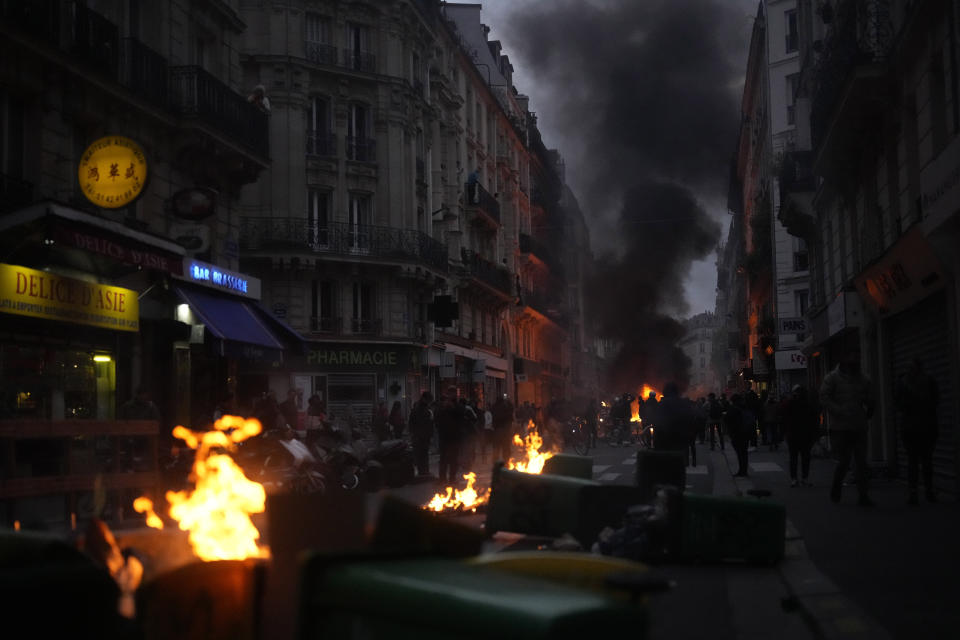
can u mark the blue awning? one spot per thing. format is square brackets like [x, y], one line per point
[230, 319]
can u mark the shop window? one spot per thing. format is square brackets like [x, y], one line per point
[56, 384]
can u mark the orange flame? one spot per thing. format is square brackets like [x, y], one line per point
[468, 499]
[531, 444]
[642, 394]
[217, 512]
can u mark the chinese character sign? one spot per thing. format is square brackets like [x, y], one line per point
[112, 172]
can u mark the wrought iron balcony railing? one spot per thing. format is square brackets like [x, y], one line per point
[144, 72]
[486, 271]
[531, 245]
[196, 93]
[796, 173]
[861, 33]
[14, 193]
[343, 239]
[95, 40]
[320, 53]
[359, 60]
[321, 144]
[361, 149]
[544, 303]
[479, 198]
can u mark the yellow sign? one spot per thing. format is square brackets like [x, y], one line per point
[112, 172]
[28, 292]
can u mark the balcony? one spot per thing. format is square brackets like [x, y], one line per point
[330, 326]
[320, 53]
[546, 304]
[323, 145]
[301, 235]
[14, 193]
[195, 93]
[486, 272]
[361, 149]
[538, 250]
[359, 60]
[481, 204]
[849, 79]
[797, 187]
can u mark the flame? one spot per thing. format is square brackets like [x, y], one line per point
[468, 499]
[531, 445]
[217, 512]
[642, 394]
[145, 505]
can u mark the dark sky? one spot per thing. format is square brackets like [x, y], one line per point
[641, 97]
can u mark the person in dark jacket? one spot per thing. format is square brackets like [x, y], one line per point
[675, 421]
[917, 397]
[738, 426]
[396, 420]
[421, 432]
[801, 426]
[715, 421]
[449, 421]
[847, 396]
[502, 428]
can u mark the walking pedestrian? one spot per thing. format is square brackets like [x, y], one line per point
[502, 428]
[770, 413]
[421, 432]
[487, 439]
[449, 421]
[738, 425]
[917, 398]
[847, 396]
[590, 421]
[801, 424]
[715, 421]
[396, 420]
[751, 408]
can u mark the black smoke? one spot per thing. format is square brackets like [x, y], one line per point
[645, 96]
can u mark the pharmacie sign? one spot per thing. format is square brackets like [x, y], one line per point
[368, 357]
[112, 172]
[39, 294]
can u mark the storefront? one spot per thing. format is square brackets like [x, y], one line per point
[907, 290]
[357, 376]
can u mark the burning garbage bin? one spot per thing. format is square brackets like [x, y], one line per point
[430, 597]
[564, 464]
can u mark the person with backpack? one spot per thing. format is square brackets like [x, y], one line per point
[421, 432]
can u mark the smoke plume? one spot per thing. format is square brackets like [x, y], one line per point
[645, 93]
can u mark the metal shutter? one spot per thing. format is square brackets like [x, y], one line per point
[923, 331]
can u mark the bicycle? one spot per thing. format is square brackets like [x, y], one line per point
[577, 437]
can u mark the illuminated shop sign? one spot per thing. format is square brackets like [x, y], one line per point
[39, 294]
[215, 277]
[112, 172]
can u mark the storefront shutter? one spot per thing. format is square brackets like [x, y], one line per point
[923, 332]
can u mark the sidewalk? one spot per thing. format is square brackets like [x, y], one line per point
[883, 572]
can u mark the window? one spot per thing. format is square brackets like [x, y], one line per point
[317, 43]
[793, 84]
[793, 36]
[358, 223]
[320, 142]
[357, 55]
[416, 72]
[801, 301]
[800, 261]
[318, 218]
[703, 347]
[359, 145]
[362, 319]
[321, 307]
[11, 138]
[703, 362]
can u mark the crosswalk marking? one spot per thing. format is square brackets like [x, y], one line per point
[600, 468]
[608, 476]
[699, 470]
[631, 460]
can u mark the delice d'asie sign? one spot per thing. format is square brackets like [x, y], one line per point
[39, 294]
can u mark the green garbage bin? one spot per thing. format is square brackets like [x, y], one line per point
[716, 528]
[400, 599]
[564, 464]
[660, 467]
[542, 505]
